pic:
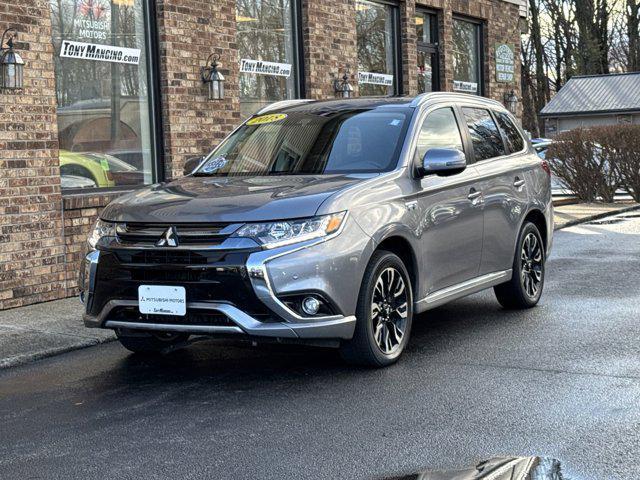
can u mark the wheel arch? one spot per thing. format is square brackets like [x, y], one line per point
[399, 244]
[537, 217]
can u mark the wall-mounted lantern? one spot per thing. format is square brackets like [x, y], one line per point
[11, 64]
[343, 89]
[213, 78]
[511, 101]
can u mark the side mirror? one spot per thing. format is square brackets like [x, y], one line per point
[443, 161]
[191, 164]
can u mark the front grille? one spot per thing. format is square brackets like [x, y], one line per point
[188, 234]
[193, 317]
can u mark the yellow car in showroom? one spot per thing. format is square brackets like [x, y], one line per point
[102, 169]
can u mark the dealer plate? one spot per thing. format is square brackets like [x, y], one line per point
[162, 300]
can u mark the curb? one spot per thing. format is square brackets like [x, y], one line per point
[22, 359]
[598, 216]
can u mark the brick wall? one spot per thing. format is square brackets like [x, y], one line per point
[31, 245]
[42, 234]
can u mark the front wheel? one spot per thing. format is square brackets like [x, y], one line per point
[384, 313]
[151, 343]
[525, 287]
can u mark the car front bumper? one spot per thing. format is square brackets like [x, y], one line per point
[331, 267]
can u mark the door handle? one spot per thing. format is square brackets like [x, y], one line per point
[518, 183]
[474, 194]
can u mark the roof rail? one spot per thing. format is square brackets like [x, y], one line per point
[424, 97]
[282, 104]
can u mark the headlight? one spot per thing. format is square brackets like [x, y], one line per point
[285, 232]
[101, 229]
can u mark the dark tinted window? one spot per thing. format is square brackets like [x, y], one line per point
[304, 142]
[439, 130]
[511, 133]
[487, 142]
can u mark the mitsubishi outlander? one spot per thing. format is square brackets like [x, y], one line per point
[329, 223]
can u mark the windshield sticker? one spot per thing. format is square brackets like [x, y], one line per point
[262, 119]
[213, 165]
[395, 122]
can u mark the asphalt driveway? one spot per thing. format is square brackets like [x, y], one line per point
[560, 380]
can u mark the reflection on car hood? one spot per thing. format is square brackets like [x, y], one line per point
[498, 468]
[228, 199]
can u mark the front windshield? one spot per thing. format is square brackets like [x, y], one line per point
[298, 143]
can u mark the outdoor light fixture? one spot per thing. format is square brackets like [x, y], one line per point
[11, 64]
[343, 89]
[211, 76]
[511, 101]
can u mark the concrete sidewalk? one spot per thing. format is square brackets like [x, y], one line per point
[45, 329]
[38, 331]
[572, 214]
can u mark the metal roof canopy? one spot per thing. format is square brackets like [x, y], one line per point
[591, 94]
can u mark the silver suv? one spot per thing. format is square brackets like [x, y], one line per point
[328, 222]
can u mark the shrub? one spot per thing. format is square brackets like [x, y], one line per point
[627, 137]
[583, 160]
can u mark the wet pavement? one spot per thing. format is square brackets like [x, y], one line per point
[561, 380]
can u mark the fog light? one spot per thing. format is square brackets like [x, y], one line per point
[310, 305]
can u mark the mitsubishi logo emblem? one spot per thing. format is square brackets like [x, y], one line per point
[169, 238]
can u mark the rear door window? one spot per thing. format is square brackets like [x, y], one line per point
[485, 136]
[514, 140]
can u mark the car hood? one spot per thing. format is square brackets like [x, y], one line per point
[228, 199]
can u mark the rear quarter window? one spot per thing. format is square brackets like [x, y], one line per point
[515, 142]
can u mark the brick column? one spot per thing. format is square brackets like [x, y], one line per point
[31, 243]
[330, 45]
[189, 31]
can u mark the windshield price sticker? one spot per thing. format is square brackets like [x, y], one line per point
[101, 53]
[375, 78]
[265, 68]
[262, 119]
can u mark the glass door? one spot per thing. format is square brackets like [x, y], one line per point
[428, 57]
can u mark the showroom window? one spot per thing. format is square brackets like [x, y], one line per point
[376, 28]
[268, 45]
[105, 93]
[467, 56]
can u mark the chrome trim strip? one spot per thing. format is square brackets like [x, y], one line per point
[161, 327]
[89, 267]
[468, 287]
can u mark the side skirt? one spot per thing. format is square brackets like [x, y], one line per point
[463, 289]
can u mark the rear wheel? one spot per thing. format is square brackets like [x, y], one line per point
[525, 287]
[384, 313]
[150, 343]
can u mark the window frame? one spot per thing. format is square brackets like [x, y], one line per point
[432, 48]
[480, 30]
[156, 127]
[470, 138]
[396, 48]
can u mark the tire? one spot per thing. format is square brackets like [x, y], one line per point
[526, 284]
[394, 313]
[151, 343]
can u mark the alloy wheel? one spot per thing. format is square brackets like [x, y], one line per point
[389, 309]
[531, 265]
